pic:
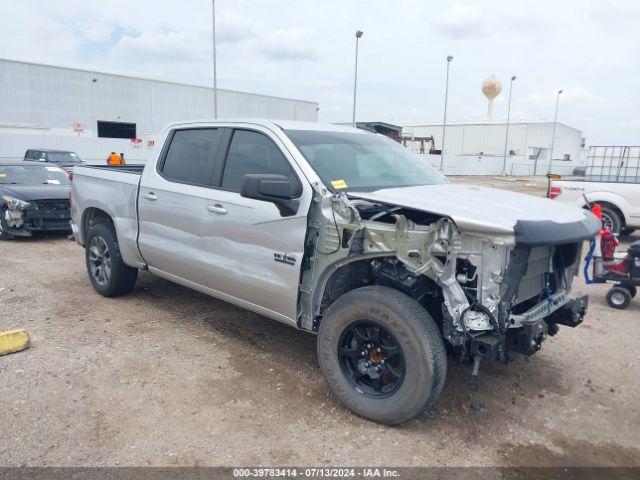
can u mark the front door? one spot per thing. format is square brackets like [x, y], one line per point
[252, 253]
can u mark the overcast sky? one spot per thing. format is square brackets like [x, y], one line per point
[305, 49]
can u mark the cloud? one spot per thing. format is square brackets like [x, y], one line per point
[159, 47]
[577, 94]
[290, 44]
[233, 28]
[97, 30]
[304, 50]
[581, 94]
[460, 21]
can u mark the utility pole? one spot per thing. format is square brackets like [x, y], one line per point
[359, 34]
[444, 120]
[506, 136]
[553, 135]
[215, 73]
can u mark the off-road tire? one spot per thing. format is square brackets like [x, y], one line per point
[122, 278]
[619, 298]
[418, 336]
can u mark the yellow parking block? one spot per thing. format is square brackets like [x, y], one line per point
[13, 341]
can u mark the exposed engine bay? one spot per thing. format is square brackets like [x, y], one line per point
[489, 294]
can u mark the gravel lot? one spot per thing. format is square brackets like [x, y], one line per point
[166, 376]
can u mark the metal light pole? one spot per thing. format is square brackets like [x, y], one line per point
[359, 34]
[553, 135]
[444, 120]
[506, 136]
[215, 73]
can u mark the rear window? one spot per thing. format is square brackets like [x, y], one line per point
[191, 156]
[63, 157]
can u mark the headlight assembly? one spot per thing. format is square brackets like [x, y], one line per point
[14, 203]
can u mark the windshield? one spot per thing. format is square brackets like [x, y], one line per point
[32, 175]
[63, 157]
[361, 162]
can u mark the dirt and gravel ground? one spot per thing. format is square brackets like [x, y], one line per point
[167, 376]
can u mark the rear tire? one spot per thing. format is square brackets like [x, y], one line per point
[109, 275]
[400, 340]
[612, 219]
[619, 298]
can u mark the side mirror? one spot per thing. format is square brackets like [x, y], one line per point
[276, 189]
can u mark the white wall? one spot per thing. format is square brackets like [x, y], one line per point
[91, 149]
[487, 139]
[57, 98]
[492, 165]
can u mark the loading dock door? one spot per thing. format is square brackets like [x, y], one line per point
[116, 129]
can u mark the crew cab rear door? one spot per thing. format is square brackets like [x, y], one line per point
[252, 253]
[171, 204]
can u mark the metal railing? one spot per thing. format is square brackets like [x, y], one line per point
[618, 164]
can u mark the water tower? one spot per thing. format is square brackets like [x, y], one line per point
[491, 88]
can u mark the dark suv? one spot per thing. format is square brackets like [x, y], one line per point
[62, 158]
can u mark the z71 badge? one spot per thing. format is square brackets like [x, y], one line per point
[284, 258]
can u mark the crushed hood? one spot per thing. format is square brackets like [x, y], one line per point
[487, 210]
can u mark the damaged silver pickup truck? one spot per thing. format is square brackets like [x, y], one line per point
[346, 234]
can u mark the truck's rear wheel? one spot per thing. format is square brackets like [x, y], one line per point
[382, 354]
[611, 218]
[109, 275]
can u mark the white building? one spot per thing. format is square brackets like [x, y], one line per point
[95, 113]
[478, 147]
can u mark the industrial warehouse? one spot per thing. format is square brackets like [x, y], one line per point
[319, 240]
[93, 113]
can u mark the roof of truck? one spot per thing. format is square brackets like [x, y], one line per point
[50, 150]
[283, 124]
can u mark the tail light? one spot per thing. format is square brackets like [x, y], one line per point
[555, 191]
[70, 175]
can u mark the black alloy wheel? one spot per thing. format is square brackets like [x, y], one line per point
[371, 359]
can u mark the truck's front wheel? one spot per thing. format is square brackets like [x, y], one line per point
[109, 275]
[382, 354]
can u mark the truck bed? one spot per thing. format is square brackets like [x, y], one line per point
[112, 189]
[135, 169]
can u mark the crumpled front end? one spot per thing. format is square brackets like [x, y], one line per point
[21, 218]
[491, 293]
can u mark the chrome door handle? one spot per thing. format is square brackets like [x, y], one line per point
[150, 196]
[217, 208]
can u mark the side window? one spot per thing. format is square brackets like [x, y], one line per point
[253, 152]
[191, 155]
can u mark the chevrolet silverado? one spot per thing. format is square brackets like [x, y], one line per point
[346, 234]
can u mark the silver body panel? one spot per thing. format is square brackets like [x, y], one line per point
[228, 246]
[477, 209]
